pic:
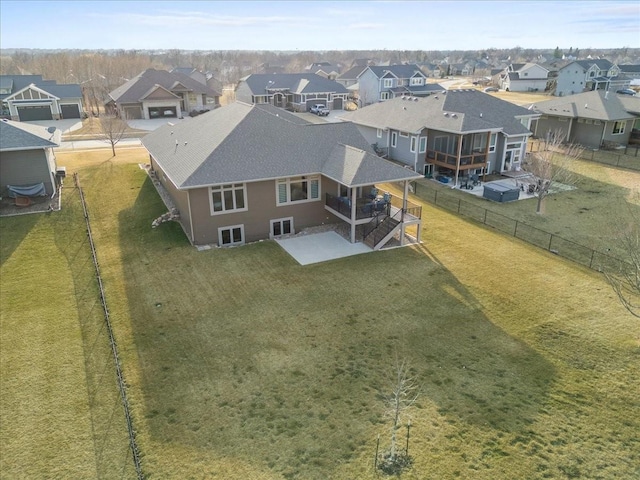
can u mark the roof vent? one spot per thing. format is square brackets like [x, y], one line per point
[480, 114]
[436, 97]
[185, 143]
[415, 99]
[446, 114]
[403, 97]
[586, 105]
[51, 129]
[453, 115]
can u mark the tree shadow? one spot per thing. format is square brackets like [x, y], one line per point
[13, 231]
[242, 349]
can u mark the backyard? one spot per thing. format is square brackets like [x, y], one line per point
[243, 364]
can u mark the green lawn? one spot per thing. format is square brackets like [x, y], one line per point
[243, 364]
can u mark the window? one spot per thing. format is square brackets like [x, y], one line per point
[404, 134]
[441, 144]
[414, 142]
[384, 95]
[297, 189]
[379, 132]
[479, 142]
[423, 144]
[416, 81]
[492, 142]
[282, 226]
[387, 83]
[228, 198]
[233, 235]
[394, 139]
[618, 127]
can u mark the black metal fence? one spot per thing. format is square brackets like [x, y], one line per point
[625, 157]
[551, 242]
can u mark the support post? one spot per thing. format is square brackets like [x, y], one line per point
[353, 214]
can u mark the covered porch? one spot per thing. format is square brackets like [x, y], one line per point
[376, 217]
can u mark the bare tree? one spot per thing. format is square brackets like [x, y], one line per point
[404, 393]
[550, 166]
[112, 130]
[625, 277]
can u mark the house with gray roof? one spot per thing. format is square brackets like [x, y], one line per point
[453, 133]
[585, 75]
[380, 83]
[245, 172]
[159, 93]
[297, 92]
[30, 98]
[27, 158]
[594, 119]
[524, 77]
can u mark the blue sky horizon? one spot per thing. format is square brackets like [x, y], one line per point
[319, 26]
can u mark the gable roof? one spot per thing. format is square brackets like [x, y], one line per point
[596, 104]
[630, 104]
[20, 82]
[135, 89]
[400, 71]
[292, 82]
[352, 73]
[244, 143]
[457, 111]
[24, 136]
[629, 68]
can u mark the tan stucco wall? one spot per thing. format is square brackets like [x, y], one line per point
[261, 202]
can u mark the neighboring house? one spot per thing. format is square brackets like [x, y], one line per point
[452, 133]
[26, 156]
[324, 69]
[191, 72]
[585, 75]
[265, 68]
[294, 91]
[159, 93]
[243, 173]
[631, 72]
[30, 98]
[350, 77]
[381, 83]
[524, 77]
[594, 119]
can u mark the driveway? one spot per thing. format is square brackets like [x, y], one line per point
[68, 125]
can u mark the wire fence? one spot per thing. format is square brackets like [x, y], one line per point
[117, 454]
[548, 241]
[625, 157]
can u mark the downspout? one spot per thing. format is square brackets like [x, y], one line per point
[190, 216]
[604, 130]
[455, 184]
[404, 209]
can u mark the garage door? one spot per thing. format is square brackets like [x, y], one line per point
[29, 114]
[70, 111]
[337, 103]
[132, 113]
[159, 112]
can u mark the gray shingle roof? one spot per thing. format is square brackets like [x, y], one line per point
[352, 73]
[133, 90]
[400, 71]
[293, 82]
[457, 111]
[244, 143]
[602, 64]
[24, 136]
[18, 82]
[596, 104]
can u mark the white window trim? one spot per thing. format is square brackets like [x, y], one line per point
[287, 181]
[623, 126]
[413, 144]
[379, 132]
[234, 210]
[387, 83]
[394, 139]
[416, 81]
[231, 227]
[492, 145]
[422, 145]
[280, 220]
[404, 134]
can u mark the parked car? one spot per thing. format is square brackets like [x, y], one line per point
[626, 91]
[320, 110]
[491, 89]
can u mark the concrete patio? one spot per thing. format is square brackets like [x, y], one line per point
[320, 247]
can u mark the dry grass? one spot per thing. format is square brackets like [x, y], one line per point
[243, 364]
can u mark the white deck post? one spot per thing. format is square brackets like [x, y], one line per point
[353, 214]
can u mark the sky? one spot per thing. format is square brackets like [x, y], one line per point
[319, 25]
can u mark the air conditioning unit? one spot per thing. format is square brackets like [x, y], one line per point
[61, 172]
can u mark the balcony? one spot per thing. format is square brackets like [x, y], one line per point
[366, 208]
[467, 161]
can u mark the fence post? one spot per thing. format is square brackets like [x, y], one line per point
[375, 462]
[515, 230]
[485, 216]
[550, 240]
[435, 198]
[593, 252]
[459, 205]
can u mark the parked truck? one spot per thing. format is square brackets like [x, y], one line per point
[320, 110]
